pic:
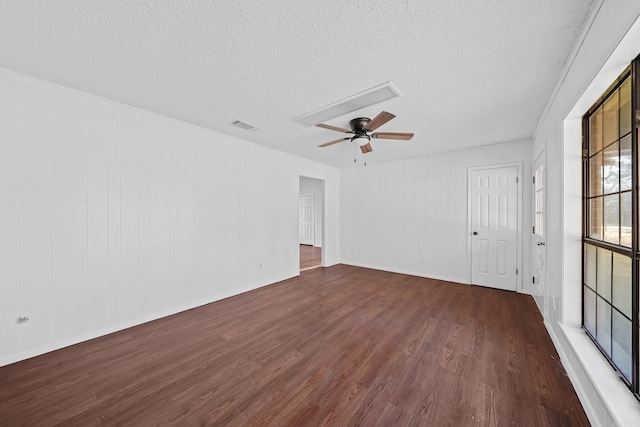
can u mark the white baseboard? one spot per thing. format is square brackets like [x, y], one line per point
[583, 396]
[605, 398]
[407, 272]
[37, 351]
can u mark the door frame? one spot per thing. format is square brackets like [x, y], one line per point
[323, 214]
[541, 155]
[470, 170]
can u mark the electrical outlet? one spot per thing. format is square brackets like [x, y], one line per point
[22, 319]
[423, 258]
[553, 302]
[260, 264]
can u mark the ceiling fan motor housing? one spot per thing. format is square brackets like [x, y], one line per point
[359, 128]
[359, 125]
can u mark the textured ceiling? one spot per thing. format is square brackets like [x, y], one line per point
[471, 72]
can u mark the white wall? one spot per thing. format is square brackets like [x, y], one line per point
[393, 213]
[315, 186]
[111, 216]
[602, 54]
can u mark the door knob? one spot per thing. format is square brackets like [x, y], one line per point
[475, 233]
[541, 244]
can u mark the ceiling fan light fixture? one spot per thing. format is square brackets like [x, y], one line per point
[361, 140]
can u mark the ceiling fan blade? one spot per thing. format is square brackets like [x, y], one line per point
[379, 120]
[322, 125]
[326, 144]
[366, 148]
[393, 135]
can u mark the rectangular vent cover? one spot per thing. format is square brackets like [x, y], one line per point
[360, 100]
[243, 125]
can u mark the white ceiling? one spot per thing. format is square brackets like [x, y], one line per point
[471, 72]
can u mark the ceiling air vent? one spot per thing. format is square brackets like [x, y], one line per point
[355, 102]
[243, 125]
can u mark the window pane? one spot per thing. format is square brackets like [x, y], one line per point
[595, 175]
[595, 132]
[611, 169]
[622, 344]
[610, 120]
[603, 275]
[590, 267]
[603, 325]
[612, 218]
[540, 224]
[539, 201]
[625, 163]
[621, 284]
[625, 107]
[595, 218]
[590, 311]
[625, 227]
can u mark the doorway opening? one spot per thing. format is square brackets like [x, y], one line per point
[310, 222]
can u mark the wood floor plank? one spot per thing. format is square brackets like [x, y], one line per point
[335, 346]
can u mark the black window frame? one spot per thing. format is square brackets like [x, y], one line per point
[633, 73]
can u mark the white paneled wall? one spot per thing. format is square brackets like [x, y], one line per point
[607, 47]
[410, 215]
[111, 216]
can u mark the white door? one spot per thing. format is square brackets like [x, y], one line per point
[539, 232]
[494, 227]
[306, 209]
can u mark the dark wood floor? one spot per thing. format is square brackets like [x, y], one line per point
[338, 346]
[310, 257]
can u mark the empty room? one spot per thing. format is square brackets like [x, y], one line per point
[339, 213]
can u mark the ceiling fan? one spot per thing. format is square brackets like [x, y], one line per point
[361, 128]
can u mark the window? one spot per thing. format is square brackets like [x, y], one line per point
[538, 201]
[610, 241]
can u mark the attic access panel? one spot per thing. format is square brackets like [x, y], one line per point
[355, 102]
